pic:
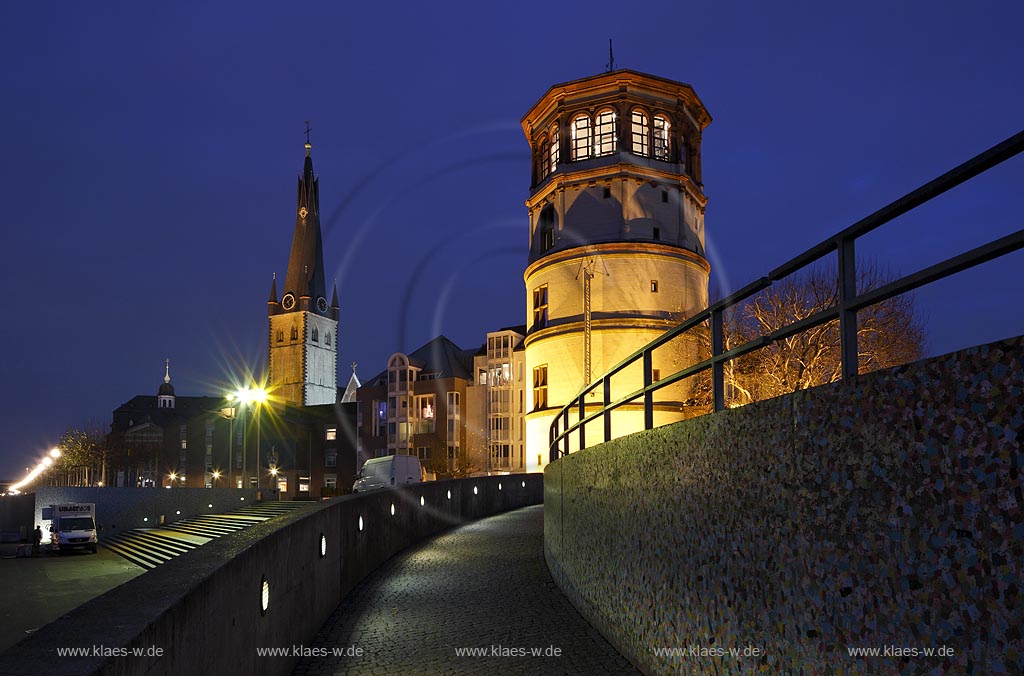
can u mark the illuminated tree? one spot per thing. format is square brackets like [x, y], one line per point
[83, 455]
[888, 334]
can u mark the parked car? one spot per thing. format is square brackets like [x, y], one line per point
[391, 470]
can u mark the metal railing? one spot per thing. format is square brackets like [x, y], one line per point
[849, 302]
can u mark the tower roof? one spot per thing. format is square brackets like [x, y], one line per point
[305, 274]
[166, 390]
[353, 385]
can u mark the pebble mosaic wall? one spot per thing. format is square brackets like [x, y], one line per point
[881, 514]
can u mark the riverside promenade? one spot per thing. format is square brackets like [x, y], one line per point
[475, 600]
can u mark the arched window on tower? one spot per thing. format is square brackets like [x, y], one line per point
[580, 138]
[280, 335]
[555, 150]
[640, 131]
[316, 335]
[662, 128]
[604, 137]
[327, 338]
[545, 159]
[546, 228]
[295, 332]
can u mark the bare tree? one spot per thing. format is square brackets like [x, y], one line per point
[888, 334]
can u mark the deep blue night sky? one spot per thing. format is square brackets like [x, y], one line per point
[150, 154]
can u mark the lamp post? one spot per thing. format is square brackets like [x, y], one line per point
[254, 396]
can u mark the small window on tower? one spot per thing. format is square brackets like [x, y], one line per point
[657, 233]
[280, 335]
[327, 338]
[654, 286]
[548, 238]
[607, 193]
[295, 332]
[316, 335]
[540, 307]
[664, 195]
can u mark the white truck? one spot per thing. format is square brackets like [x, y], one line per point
[72, 526]
[391, 470]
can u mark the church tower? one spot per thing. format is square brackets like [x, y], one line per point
[616, 243]
[303, 325]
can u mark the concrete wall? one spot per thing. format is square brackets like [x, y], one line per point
[203, 608]
[880, 513]
[16, 518]
[119, 509]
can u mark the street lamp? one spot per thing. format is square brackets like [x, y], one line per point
[216, 475]
[253, 396]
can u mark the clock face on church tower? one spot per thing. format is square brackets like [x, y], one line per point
[288, 302]
[321, 304]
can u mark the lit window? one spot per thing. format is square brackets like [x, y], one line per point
[540, 307]
[640, 131]
[661, 137]
[545, 159]
[654, 286]
[303, 484]
[330, 433]
[581, 138]
[554, 148]
[540, 387]
[604, 138]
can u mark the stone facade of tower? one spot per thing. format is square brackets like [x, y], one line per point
[303, 325]
[617, 197]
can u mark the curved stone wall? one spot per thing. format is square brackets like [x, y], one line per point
[883, 514]
[203, 611]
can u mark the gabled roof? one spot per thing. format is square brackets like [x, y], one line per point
[440, 356]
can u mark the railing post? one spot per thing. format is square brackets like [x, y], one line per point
[847, 318]
[607, 387]
[565, 428]
[582, 415]
[552, 435]
[648, 395]
[717, 367]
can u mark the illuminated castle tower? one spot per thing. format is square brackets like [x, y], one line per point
[616, 240]
[303, 327]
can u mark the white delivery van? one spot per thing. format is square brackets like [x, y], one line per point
[391, 470]
[72, 526]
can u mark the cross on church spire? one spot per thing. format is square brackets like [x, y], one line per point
[308, 144]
